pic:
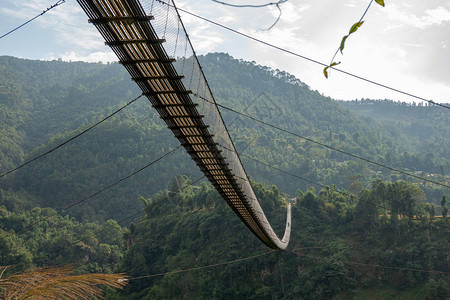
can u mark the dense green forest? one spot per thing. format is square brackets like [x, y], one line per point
[44, 103]
[426, 126]
[142, 226]
[337, 248]
[370, 247]
[39, 238]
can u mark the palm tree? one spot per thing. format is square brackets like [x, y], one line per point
[57, 283]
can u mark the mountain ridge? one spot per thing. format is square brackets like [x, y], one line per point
[49, 107]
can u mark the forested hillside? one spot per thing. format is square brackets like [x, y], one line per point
[338, 249]
[44, 103]
[284, 101]
[426, 126]
[190, 245]
[54, 210]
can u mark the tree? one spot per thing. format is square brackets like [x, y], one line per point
[444, 206]
[57, 283]
[366, 212]
[404, 198]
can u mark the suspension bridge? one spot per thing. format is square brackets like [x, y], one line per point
[151, 42]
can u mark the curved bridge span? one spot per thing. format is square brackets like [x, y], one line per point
[151, 42]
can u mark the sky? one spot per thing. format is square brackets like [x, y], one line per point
[404, 45]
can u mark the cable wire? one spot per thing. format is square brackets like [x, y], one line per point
[202, 267]
[276, 4]
[306, 180]
[322, 144]
[98, 192]
[311, 60]
[180, 215]
[71, 139]
[251, 5]
[373, 265]
[51, 7]
[131, 216]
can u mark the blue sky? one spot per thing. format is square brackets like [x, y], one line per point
[404, 45]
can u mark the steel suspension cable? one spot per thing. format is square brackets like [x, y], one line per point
[71, 139]
[372, 265]
[312, 60]
[51, 7]
[306, 180]
[64, 209]
[130, 217]
[202, 267]
[324, 145]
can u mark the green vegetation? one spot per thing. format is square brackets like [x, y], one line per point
[338, 243]
[338, 248]
[426, 128]
[282, 100]
[341, 246]
[34, 238]
[48, 102]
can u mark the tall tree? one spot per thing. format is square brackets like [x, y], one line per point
[444, 206]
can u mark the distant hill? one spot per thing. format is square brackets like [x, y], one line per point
[44, 102]
[426, 126]
[283, 100]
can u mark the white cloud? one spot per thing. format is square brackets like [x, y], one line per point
[439, 15]
[107, 56]
[26, 9]
[403, 44]
[227, 19]
[292, 13]
[205, 41]
[432, 17]
[72, 28]
[66, 21]
[350, 3]
[415, 45]
[14, 13]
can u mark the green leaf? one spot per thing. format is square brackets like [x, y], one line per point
[343, 43]
[355, 27]
[325, 71]
[381, 2]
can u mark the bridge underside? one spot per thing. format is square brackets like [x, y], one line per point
[128, 30]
